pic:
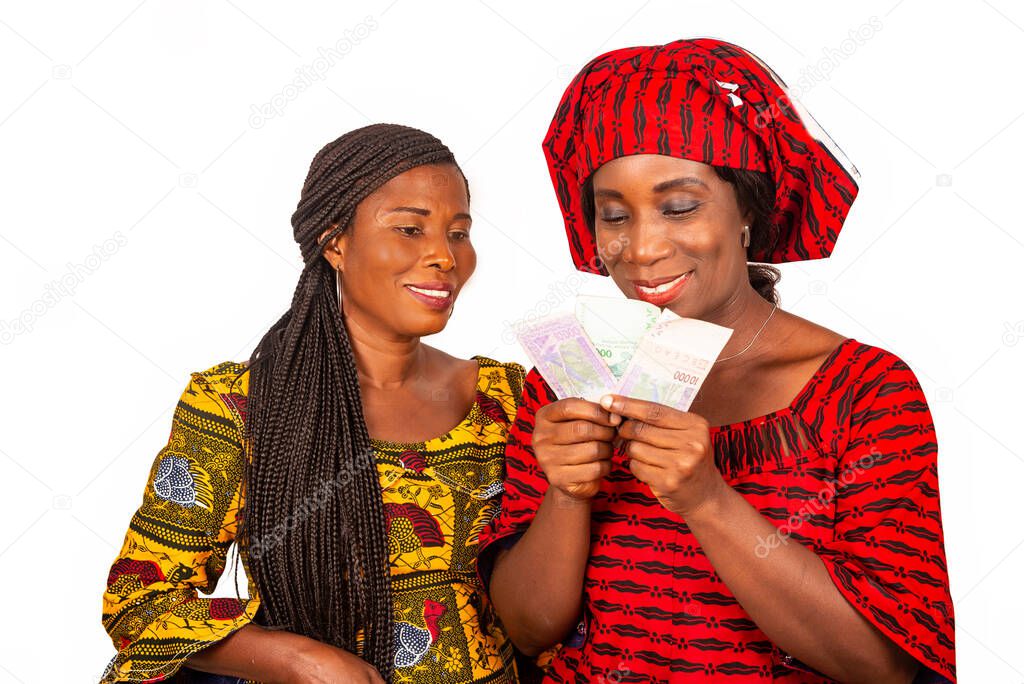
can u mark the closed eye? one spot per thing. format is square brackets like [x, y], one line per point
[679, 211]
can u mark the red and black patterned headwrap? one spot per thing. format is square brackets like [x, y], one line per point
[710, 101]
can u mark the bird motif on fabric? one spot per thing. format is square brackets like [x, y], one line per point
[411, 641]
[182, 481]
[492, 410]
[181, 573]
[410, 528]
[144, 572]
[413, 460]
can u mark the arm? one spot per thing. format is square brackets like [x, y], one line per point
[536, 592]
[280, 657]
[251, 653]
[557, 454]
[176, 545]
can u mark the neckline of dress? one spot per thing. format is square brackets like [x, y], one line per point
[409, 445]
[787, 410]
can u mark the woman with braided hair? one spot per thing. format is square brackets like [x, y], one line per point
[331, 458]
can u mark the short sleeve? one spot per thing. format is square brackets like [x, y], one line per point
[177, 542]
[525, 483]
[505, 386]
[887, 556]
[514, 376]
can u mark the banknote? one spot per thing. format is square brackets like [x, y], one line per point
[672, 360]
[615, 326]
[565, 357]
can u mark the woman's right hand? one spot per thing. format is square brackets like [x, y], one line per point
[572, 440]
[319, 663]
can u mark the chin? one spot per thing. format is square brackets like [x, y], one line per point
[430, 324]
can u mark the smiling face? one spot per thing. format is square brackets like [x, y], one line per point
[407, 253]
[669, 232]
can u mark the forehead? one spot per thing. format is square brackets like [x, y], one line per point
[649, 169]
[441, 183]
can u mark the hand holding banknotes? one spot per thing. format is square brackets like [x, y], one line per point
[572, 440]
[670, 451]
[652, 362]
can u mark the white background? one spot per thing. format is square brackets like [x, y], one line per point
[129, 124]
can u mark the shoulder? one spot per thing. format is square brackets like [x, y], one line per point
[799, 343]
[201, 464]
[503, 378]
[882, 387]
[868, 364]
[220, 391]
[854, 372]
[842, 362]
[230, 372]
[513, 372]
[866, 383]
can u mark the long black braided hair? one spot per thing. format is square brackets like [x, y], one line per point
[312, 523]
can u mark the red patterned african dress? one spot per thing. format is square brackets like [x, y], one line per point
[848, 469]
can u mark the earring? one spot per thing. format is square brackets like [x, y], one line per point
[745, 240]
[337, 282]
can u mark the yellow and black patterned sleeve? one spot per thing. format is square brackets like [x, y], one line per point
[516, 374]
[177, 541]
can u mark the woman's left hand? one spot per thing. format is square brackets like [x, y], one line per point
[670, 451]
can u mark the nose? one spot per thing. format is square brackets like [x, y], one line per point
[439, 254]
[646, 244]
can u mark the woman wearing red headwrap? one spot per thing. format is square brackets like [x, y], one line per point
[786, 528]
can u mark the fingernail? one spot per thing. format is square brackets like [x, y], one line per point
[616, 418]
[606, 401]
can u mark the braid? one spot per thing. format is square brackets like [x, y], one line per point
[313, 523]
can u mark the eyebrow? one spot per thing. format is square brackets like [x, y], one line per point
[420, 211]
[679, 183]
[660, 187]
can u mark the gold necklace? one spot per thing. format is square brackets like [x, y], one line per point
[751, 343]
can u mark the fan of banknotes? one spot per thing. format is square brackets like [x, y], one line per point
[623, 346]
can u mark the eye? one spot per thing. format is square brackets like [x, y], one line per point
[409, 231]
[679, 210]
[459, 234]
[614, 219]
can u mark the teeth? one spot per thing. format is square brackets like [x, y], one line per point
[440, 294]
[664, 287]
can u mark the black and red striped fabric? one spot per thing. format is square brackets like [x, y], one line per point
[706, 100]
[848, 469]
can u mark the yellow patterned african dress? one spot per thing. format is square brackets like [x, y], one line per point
[438, 495]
